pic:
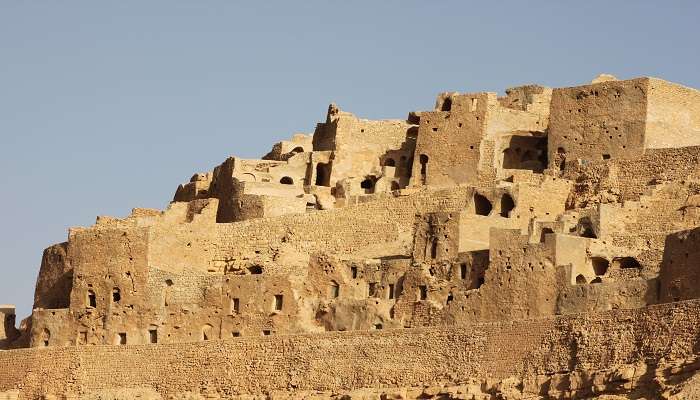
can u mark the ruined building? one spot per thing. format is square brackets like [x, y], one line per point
[540, 244]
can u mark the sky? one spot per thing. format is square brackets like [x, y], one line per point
[109, 105]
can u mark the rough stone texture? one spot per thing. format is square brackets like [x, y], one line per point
[543, 244]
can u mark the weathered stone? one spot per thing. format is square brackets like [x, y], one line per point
[542, 243]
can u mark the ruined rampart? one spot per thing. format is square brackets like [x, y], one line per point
[529, 349]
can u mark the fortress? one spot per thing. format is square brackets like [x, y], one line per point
[543, 244]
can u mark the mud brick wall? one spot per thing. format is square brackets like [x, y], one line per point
[679, 267]
[376, 228]
[657, 164]
[632, 178]
[348, 360]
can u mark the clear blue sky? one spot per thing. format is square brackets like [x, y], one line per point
[109, 105]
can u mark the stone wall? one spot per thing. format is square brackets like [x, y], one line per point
[360, 146]
[351, 360]
[601, 120]
[55, 279]
[657, 165]
[623, 180]
[679, 268]
[673, 115]
[381, 227]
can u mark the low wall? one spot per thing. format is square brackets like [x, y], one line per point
[349, 360]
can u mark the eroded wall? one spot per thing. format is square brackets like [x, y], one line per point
[680, 269]
[601, 121]
[55, 279]
[535, 351]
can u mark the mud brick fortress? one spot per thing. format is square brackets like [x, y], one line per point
[543, 244]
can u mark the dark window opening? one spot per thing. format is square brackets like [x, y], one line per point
[168, 282]
[433, 248]
[153, 335]
[423, 292]
[266, 332]
[335, 290]
[92, 299]
[606, 156]
[580, 279]
[353, 271]
[482, 205]
[323, 174]
[372, 289]
[82, 337]
[278, 302]
[628, 262]
[424, 169]
[526, 152]
[480, 282]
[255, 270]
[507, 205]
[391, 291]
[463, 271]
[600, 265]
[235, 334]
[116, 295]
[378, 326]
[390, 162]
[588, 233]
[395, 185]
[585, 228]
[544, 233]
[367, 185]
[122, 338]
[287, 180]
[297, 149]
[235, 306]
[450, 298]
[446, 104]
